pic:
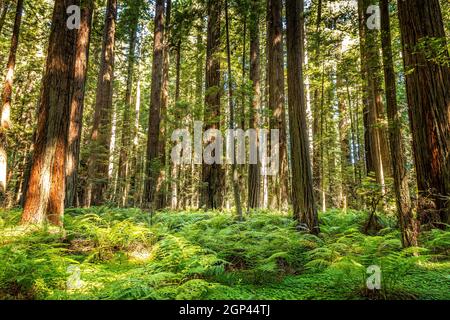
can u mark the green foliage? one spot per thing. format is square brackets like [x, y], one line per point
[125, 254]
[32, 265]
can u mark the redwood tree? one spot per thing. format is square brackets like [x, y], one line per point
[98, 163]
[153, 152]
[377, 153]
[232, 126]
[77, 101]
[45, 195]
[427, 87]
[408, 226]
[305, 211]
[213, 175]
[275, 69]
[254, 177]
[124, 163]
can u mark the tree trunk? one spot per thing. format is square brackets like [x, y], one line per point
[213, 175]
[254, 177]
[244, 74]
[427, 87]
[124, 164]
[5, 108]
[135, 172]
[408, 225]
[45, 193]
[365, 97]
[153, 151]
[161, 186]
[232, 125]
[98, 163]
[377, 141]
[175, 167]
[77, 102]
[344, 136]
[317, 111]
[305, 211]
[276, 96]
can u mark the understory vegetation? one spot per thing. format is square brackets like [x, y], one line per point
[130, 254]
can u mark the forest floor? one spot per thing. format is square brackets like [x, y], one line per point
[109, 253]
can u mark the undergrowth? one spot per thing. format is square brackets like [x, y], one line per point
[130, 254]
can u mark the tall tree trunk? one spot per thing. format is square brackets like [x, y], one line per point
[254, 177]
[5, 108]
[365, 96]
[317, 110]
[305, 211]
[199, 99]
[344, 136]
[377, 142]
[244, 74]
[153, 151]
[408, 225]
[213, 175]
[98, 163]
[176, 168]
[232, 125]
[276, 95]
[135, 172]
[77, 102]
[427, 87]
[45, 193]
[124, 164]
[161, 186]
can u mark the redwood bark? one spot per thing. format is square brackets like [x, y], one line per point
[161, 187]
[276, 95]
[98, 163]
[45, 193]
[344, 136]
[407, 222]
[124, 164]
[153, 151]
[305, 211]
[234, 172]
[377, 153]
[427, 87]
[364, 72]
[254, 177]
[213, 175]
[317, 112]
[77, 102]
